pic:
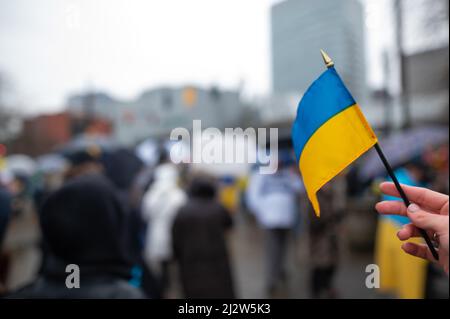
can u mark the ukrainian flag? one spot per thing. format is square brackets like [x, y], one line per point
[329, 133]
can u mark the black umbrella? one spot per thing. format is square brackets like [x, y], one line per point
[84, 142]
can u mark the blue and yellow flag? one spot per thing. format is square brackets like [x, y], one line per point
[329, 133]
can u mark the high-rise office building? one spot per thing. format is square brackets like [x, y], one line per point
[300, 28]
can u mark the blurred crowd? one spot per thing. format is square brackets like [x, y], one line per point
[137, 230]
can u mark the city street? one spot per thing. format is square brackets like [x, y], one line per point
[246, 243]
[247, 246]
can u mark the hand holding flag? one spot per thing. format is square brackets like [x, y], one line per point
[330, 132]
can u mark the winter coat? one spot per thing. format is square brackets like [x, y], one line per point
[5, 211]
[160, 205]
[84, 223]
[200, 247]
[274, 199]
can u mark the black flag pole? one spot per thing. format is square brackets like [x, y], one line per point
[329, 63]
[404, 197]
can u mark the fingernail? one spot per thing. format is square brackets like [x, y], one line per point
[413, 208]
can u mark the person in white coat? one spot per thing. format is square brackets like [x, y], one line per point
[160, 206]
[274, 200]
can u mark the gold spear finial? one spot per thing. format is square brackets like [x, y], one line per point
[326, 59]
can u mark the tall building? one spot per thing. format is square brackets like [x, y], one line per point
[300, 28]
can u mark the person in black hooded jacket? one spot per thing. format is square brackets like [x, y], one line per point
[84, 223]
[198, 238]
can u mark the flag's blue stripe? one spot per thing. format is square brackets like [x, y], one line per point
[325, 98]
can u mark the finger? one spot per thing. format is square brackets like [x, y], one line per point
[408, 231]
[425, 220]
[391, 208]
[418, 250]
[421, 196]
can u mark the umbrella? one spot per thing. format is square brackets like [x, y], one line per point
[401, 148]
[21, 165]
[84, 142]
[51, 163]
[230, 145]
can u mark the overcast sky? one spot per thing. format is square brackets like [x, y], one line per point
[51, 48]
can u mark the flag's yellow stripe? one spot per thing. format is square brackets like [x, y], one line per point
[334, 146]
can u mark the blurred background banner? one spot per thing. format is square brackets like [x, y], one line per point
[91, 90]
[403, 147]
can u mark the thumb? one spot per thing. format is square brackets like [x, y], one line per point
[425, 220]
